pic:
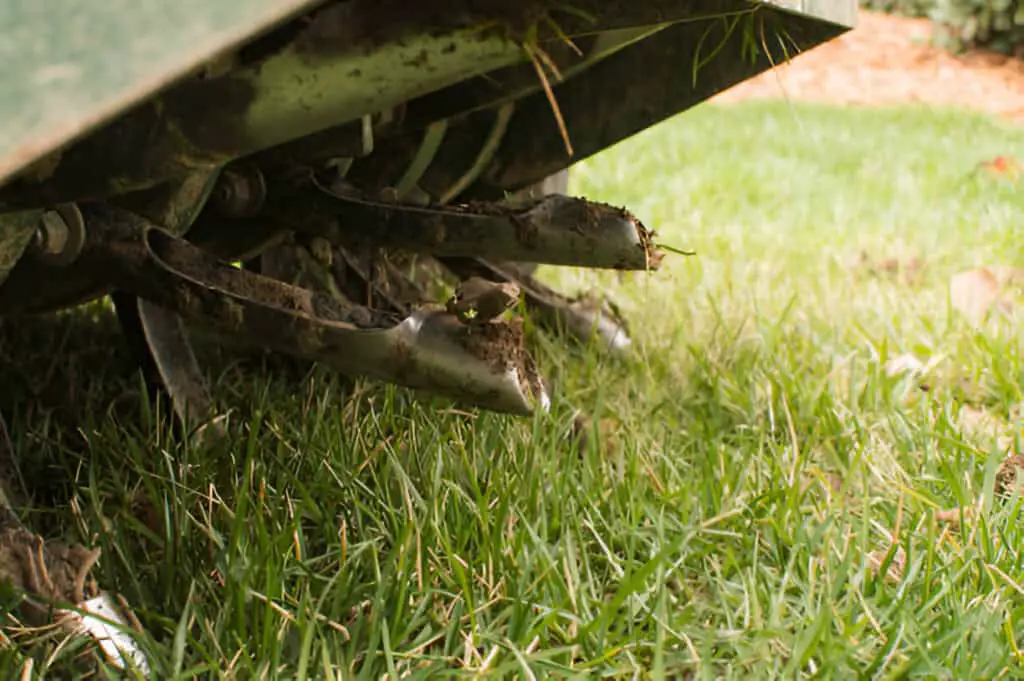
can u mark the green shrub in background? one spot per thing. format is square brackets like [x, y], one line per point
[963, 24]
[996, 24]
[907, 8]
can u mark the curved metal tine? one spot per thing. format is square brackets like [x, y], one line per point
[428, 350]
[179, 370]
[555, 229]
[176, 207]
[585, 319]
[588, 318]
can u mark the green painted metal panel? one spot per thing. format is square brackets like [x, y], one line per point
[841, 12]
[67, 66]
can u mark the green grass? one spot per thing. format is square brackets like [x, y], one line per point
[762, 454]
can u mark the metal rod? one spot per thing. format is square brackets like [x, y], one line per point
[490, 145]
[179, 370]
[431, 142]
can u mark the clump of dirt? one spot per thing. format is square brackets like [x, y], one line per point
[52, 572]
[566, 212]
[1008, 477]
[499, 344]
[502, 345]
[583, 215]
[654, 256]
[590, 217]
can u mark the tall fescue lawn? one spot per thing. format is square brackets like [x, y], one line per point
[766, 502]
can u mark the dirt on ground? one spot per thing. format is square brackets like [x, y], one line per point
[888, 60]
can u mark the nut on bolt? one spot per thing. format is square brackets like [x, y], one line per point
[240, 192]
[60, 235]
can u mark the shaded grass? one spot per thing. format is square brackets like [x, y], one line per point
[350, 531]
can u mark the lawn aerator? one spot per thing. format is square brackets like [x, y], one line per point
[302, 174]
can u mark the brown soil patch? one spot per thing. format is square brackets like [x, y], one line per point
[887, 60]
[496, 343]
[53, 572]
[1008, 477]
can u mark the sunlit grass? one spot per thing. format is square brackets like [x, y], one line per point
[762, 452]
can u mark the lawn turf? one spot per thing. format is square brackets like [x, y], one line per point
[761, 453]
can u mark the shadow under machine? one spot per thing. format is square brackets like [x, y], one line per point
[303, 174]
